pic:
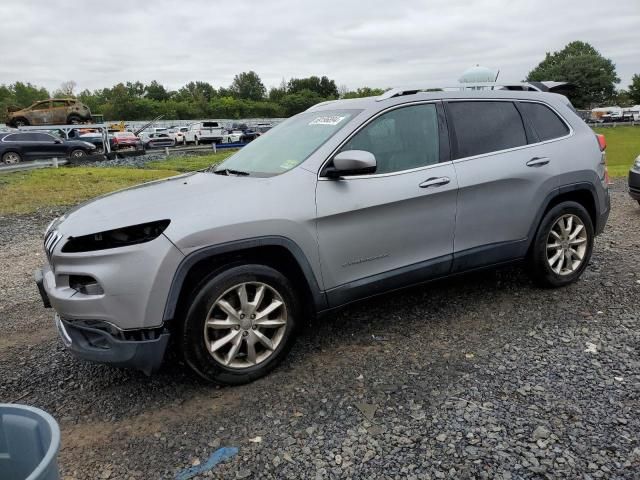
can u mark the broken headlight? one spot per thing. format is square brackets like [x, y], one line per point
[119, 237]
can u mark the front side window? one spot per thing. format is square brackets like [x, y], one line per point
[484, 127]
[544, 121]
[41, 137]
[289, 144]
[401, 139]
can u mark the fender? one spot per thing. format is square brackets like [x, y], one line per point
[190, 260]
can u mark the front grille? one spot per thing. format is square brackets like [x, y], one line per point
[50, 241]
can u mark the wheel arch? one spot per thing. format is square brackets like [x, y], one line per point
[583, 193]
[277, 252]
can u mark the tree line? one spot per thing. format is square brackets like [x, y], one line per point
[579, 63]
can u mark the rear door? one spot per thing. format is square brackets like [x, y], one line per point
[395, 226]
[503, 180]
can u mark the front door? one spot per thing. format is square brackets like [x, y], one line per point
[395, 226]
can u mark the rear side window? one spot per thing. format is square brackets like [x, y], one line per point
[544, 121]
[483, 127]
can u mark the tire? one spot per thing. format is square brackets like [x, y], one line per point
[572, 256]
[11, 158]
[222, 366]
[20, 122]
[74, 120]
[77, 153]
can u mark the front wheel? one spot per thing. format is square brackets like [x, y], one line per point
[240, 324]
[77, 153]
[562, 247]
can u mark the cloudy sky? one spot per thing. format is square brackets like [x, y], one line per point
[378, 43]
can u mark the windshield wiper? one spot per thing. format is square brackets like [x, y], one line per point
[229, 171]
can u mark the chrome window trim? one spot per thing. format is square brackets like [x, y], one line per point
[521, 147]
[361, 127]
[29, 141]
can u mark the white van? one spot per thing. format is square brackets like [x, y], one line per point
[211, 132]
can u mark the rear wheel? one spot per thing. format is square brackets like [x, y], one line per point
[563, 245]
[240, 324]
[74, 120]
[11, 158]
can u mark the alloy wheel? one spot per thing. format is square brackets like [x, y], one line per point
[566, 244]
[245, 325]
[11, 158]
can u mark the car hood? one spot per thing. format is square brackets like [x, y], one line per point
[192, 202]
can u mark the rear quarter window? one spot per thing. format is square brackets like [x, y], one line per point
[545, 122]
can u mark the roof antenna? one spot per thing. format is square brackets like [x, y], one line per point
[496, 79]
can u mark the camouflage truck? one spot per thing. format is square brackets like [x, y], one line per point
[55, 111]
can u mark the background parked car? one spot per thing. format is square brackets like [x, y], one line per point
[55, 111]
[159, 140]
[634, 180]
[205, 132]
[126, 140]
[19, 146]
[178, 134]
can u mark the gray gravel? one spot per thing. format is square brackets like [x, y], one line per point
[484, 376]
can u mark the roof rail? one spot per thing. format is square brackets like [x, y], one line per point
[410, 90]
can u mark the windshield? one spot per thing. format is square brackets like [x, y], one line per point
[289, 144]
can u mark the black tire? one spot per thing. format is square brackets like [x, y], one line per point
[11, 158]
[192, 339]
[77, 153]
[19, 122]
[539, 268]
[74, 120]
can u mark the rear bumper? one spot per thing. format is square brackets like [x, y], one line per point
[634, 184]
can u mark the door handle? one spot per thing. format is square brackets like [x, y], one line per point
[435, 182]
[538, 161]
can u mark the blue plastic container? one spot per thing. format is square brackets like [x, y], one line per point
[29, 444]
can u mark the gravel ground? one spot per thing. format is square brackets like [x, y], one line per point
[484, 376]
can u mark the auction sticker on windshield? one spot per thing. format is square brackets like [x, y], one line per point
[327, 120]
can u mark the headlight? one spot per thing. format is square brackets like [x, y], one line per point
[120, 237]
[636, 164]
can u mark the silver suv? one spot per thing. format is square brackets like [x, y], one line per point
[347, 200]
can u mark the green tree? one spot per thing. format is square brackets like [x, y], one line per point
[155, 91]
[321, 86]
[247, 86]
[364, 92]
[593, 75]
[634, 89]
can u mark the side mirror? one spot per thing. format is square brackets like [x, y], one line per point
[352, 162]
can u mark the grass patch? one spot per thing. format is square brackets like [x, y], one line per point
[190, 163]
[623, 146]
[25, 192]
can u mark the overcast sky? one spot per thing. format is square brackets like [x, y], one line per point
[378, 43]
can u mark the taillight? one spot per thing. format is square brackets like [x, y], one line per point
[602, 143]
